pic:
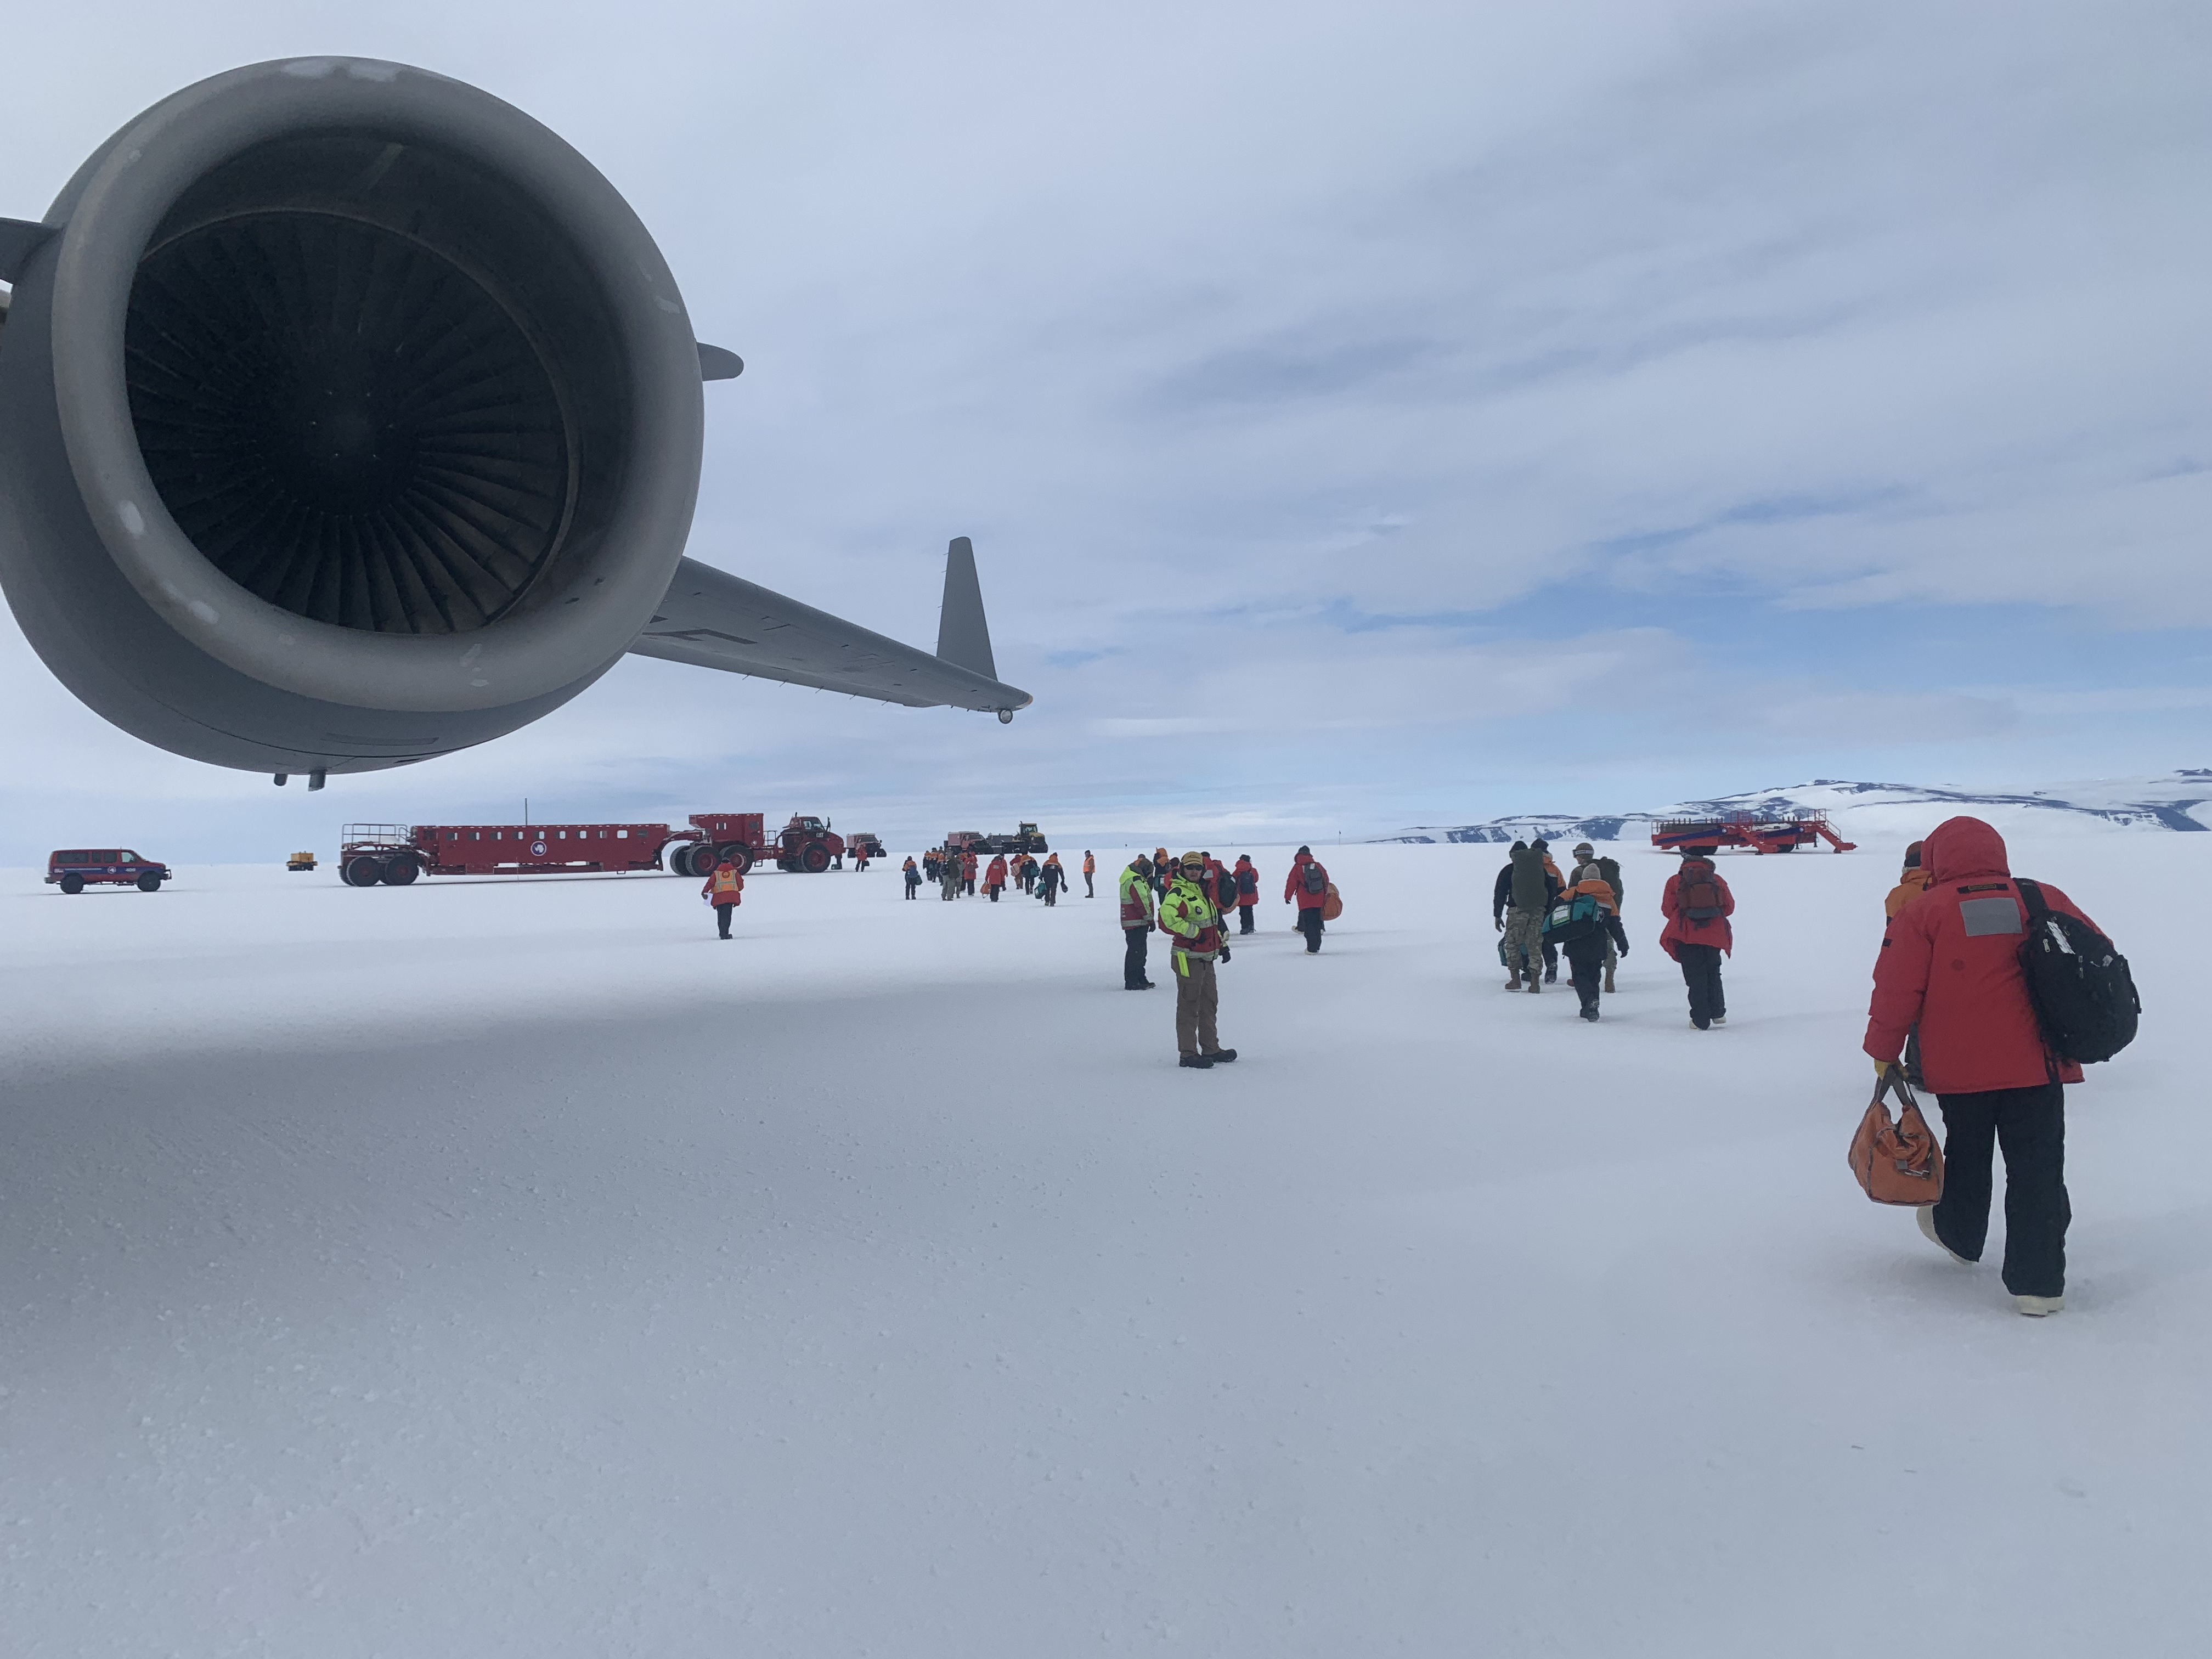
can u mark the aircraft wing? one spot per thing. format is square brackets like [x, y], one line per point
[714, 620]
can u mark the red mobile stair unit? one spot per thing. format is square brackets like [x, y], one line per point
[1770, 832]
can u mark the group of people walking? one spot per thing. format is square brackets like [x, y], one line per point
[1538, 914]
[1190, 900]
[956, 874]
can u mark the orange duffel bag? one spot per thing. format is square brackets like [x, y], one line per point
[1898, 1161]
[1332, 905]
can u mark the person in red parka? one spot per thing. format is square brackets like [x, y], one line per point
[1949, 968]
[994, 879]
[1698, 904]
[1248, 891]
[1308, 882]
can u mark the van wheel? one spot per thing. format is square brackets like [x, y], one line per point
[150, 884]
[398, 872]
[72, 884]
[363, 871]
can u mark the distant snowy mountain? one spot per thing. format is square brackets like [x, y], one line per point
[2169, 801]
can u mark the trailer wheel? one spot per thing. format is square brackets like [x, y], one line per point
[398, 872]
[816, 859]
[363, 871]
[149, 883]
[739, 854]
[72, 884]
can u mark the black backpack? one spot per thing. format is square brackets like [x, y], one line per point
[1315, 879]
[2084, 996]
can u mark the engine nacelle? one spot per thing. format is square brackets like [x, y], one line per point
[350, 417]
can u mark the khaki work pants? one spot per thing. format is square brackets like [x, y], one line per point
[1197, 998]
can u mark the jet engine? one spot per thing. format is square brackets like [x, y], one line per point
[348, 417]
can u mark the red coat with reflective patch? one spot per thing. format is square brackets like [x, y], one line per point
[1950, 965]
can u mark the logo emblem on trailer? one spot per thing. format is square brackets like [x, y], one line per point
[537, 849]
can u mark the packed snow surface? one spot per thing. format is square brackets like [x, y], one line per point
[511, 1267]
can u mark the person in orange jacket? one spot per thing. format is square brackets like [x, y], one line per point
[1909, 885]
[968, 873]
[994, 879]
[725, 889]
[1089, 871]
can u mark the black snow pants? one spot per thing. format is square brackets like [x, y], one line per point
[1309, 924]
[1586, 966]
[1701, 972]
[1132, 958]
[1244, 918]
[2030, 1124]
[722, 914]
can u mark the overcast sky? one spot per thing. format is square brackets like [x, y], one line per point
[1365, 415]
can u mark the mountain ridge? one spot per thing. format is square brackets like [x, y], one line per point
[2180, 800]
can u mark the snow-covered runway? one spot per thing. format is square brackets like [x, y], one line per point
[512, 1267]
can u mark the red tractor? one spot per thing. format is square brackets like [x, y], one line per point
[808, 843]
[737, 836]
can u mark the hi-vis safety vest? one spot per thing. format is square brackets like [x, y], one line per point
[728, 883]
[1195, 921]
[1136, 900]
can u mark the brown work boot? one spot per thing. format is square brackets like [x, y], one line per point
[1513, 984]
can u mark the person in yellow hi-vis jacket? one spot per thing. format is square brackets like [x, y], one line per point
[1189, 913]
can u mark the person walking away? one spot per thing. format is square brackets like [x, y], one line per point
[1949, 965]
[994, 879]
[1529, 894]
[1501, 895]
[1608, 870]
[1247, 892]
[725, 889]
[1589, 941]
[1051, 879]
[1559, 885]
[1190, 915]
[1307, 885]
[1138, 900]
[913, 876]
[929, 864]
[1089, 871]
[1698, 904]
[1911, 883]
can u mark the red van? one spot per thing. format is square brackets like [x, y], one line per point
[117, 866]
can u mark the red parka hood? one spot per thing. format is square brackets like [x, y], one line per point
[1959, 848]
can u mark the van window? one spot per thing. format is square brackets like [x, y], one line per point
[622, 834]
[126, 856]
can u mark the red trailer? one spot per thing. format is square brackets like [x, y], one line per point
[1772, 832]
[396, 853]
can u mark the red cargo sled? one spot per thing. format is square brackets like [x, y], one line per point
[395, 853]
[1762, 832]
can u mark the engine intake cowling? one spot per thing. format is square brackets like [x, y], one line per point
[349, 417]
